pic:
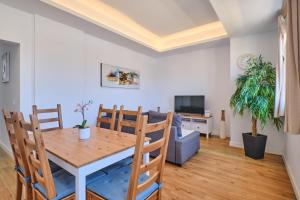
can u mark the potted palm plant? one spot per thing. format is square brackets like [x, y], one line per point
[84, 130]
[255, 93]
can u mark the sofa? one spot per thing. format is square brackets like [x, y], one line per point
[182, 144]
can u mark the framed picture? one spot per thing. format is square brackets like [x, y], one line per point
[5, 67]
[114, 76]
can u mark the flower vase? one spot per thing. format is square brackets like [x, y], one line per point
[84, 133]
[223, 125]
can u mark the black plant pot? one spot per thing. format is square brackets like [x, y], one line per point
[254, 146]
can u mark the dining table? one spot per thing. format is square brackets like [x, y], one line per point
[81, 158]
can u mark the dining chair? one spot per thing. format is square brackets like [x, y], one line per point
[128, 119]
[47, 120]
[132, 182]
[128, 122]
[37, 112]
[110, 117]
[18, 149]
[45, 185]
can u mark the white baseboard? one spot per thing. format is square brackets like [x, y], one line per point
[6, 148]
[292, 178]
[241, 145]
[236, 144]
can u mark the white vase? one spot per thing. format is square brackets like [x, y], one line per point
[84, 133]
[223, 125]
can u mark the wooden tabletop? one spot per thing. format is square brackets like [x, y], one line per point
[66, 145]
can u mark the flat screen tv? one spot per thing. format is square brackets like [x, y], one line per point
[190, 104]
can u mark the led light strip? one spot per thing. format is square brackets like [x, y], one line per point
[111, 19]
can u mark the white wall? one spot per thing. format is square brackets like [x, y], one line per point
[17, 26]
[265, 44]
[65, 63]
[10, 91]
[97, 51]
[200, 72]
[292, 160]
[61, 64]
[59, 67]
[67, 71]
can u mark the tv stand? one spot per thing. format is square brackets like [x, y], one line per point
[197, 122]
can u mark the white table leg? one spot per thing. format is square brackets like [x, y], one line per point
[80, 187]
[146, 158]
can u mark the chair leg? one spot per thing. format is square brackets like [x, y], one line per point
[19, 189]
[159, 194]
[28, 192]
[155, 196]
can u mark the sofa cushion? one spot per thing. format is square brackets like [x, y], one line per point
[109, 115]
[125, 117]
[186, 132]
[114, 186]
[129, 117]
[104, 124]
[155, 117]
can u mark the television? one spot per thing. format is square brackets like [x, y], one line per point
[190, 104]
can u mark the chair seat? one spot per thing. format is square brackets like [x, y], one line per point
[94, 176]
[53, 167]
[65, 183]
[114, 186]
[118, 165]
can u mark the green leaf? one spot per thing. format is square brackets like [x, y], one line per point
[83, 123]
[255, 92]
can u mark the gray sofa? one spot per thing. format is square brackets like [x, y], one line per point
[180, 148]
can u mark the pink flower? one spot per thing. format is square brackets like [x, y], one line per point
[81, 107]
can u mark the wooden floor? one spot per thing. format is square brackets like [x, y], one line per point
[220, 172]
[217, 172]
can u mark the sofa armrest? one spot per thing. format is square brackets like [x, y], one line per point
[171, 157]
[189, 136]
[173, 134]
[187, 146]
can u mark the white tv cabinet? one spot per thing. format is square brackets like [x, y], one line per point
[197, 123]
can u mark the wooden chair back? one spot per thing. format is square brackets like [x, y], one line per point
[17, 142]
[129, 123]
[57, 119]
[155, 166]
[37, 157]
[108, 120]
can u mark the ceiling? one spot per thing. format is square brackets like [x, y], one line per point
[242, 17]
[164, 25]
[161, 25]
[164, 17]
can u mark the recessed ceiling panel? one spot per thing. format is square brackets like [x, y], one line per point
[158, 24]
[164, 17]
